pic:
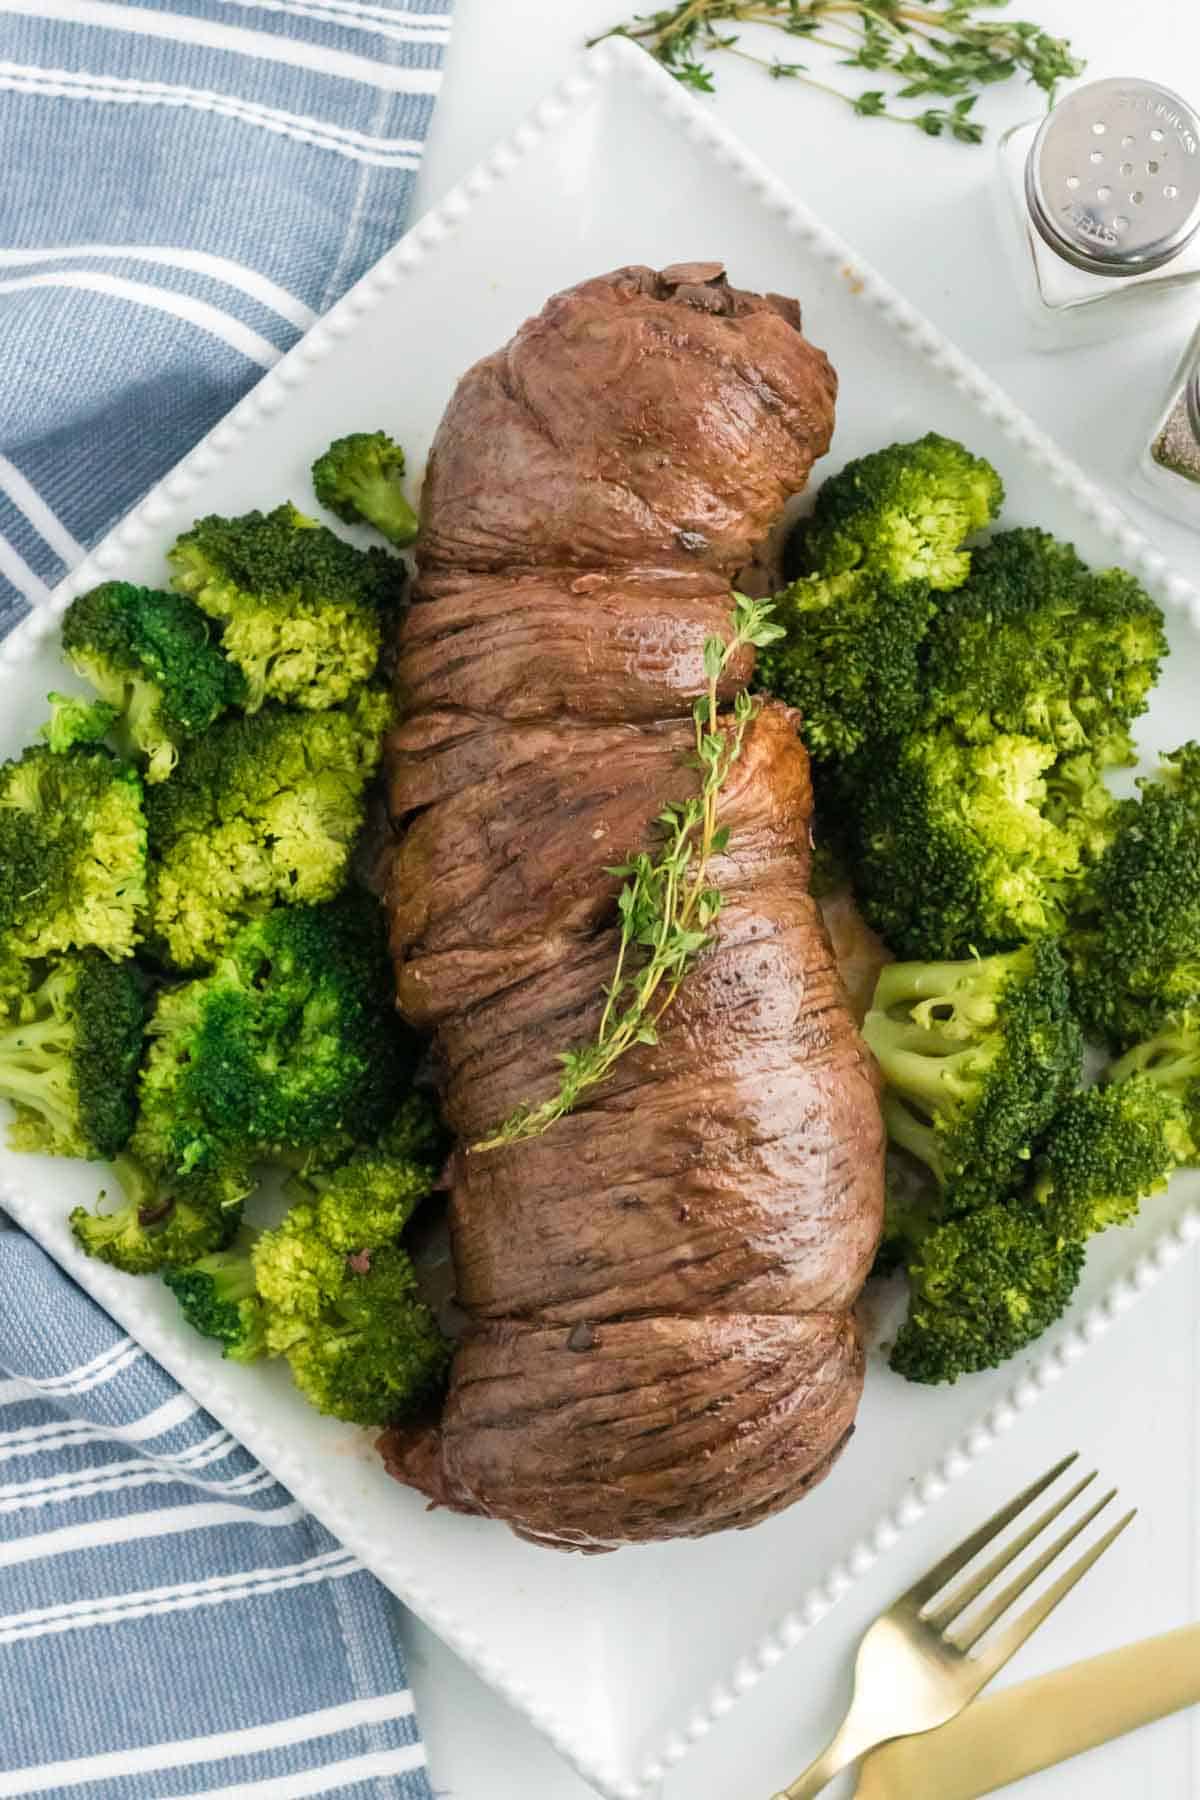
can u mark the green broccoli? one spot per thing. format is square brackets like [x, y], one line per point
[976, 1057]
[163, 1222]
[360, 1342]
[1038, 645]
[359, 478]
[303, 611]
[70, 1064]
[365, 1199]
[291, 1042]
[961, 847]
[1108, 1149]
[218, 1298]
[262, 809]
[850, 658]
[1171, 1059]
[903, 513]
[72, 853]
[17, 983]
[152, 659]
[983, 1287]
[75, 721]
[1135, 948]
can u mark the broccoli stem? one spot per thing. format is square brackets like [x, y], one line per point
[906, 1130]
[1171, 1059]
[912, 1063]
[136, 1182]
[380, 501]
[925, 988]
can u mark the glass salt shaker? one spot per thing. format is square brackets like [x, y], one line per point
[1100, 207]
[1168, 471]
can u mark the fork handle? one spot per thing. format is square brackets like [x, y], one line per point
[849, 1744]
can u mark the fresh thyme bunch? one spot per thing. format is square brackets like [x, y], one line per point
[666, 906]
[949, 49]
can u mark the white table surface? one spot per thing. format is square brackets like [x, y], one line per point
[920, 211]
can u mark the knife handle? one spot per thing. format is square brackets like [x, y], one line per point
[1005, 1736]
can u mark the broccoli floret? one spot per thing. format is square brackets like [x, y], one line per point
[849, 660]
[903, 513]
[290, 1043]
[1170, 1059]
[365, 1200]
[361, 1343]
[18, 981]
[152, 659]
[359, 478]
[72, 853]
[165, 1221]
[376, 1354]
[296, 1270]
[962, 847]
[70, 1064]
[303, 611]
[1039, 645]
[218, 1298]
[292, 1040]
[1108, 1149]
[976, 1057]
[261, 810]
[1136, 948]
[983, 1287]
[74, 721]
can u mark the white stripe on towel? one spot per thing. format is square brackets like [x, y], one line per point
[47, 524]
[179, 27]
[198, 262]
[52, 1434]
[402, 28]
[186, 1753]
[181, 306]
[21, 1387]
[115, 1610]
[21, 575]
[121, 1477]
[57, 84]
[334, 1778]
[102, 1534]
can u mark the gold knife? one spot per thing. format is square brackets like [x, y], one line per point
[1005, 1736]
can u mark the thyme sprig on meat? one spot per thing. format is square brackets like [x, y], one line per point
[666, 907]
[942, 48]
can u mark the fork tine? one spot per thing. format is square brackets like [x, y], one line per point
[958, 1558]
[1010, 1640]
[969, 1635]
[963, 1596]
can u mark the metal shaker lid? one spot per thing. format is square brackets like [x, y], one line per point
[1112, 179]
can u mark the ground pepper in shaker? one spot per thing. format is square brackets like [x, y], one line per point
[1100, 207]
[1168, 471]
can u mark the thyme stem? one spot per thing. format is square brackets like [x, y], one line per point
[666, 905]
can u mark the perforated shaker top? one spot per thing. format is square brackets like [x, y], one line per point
[1112, 179]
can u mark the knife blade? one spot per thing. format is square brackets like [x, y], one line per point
[1005, 1736]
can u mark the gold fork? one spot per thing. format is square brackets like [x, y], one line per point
[913, 1672]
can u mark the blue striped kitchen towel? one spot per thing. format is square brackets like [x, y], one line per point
[172, 1622]
[185, 185]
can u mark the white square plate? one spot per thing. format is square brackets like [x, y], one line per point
[621, 1660]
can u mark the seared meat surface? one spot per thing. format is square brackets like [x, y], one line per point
[659, 1288]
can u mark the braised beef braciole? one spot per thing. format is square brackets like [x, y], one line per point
[659, 1289]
